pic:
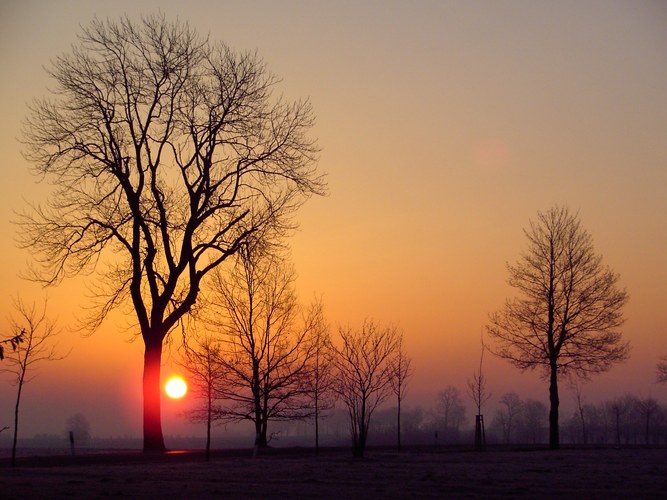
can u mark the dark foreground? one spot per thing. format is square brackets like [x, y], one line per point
[573, 473]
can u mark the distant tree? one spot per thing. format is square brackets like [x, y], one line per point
[364, 372]
[480, 395]
[662, 370]
[647, 407]
[79, 426]
[450, 413]
[532, 422]
[403, 371]
[201, 360]
[570, 308]
[619, 408]
[510, 410]
[166, 152]
[37, 346]
[320, 380]
[266, 343]
[576, 385]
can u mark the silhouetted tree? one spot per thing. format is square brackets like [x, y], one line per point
[201, 360]
[647, 408]
[480, 395]
[320, 381]
[569, 311]
[620, 408]
[449, 412]
[266, 342]
[403, 371]
[575, 384]
[166, 152]
[364, 372]
[37, 346]
[508, 414]
[532, 422]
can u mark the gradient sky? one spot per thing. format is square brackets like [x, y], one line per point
[444, 126]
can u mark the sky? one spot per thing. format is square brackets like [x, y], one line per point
[444, 127]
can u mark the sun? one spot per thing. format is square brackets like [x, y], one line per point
[176, 387]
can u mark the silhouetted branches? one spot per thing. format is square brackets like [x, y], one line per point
[569, 308]
[364, 373]
[37, 332]
[166, 152]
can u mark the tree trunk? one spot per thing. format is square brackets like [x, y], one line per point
[554, 435]
[16, 414]
[153, 438]
[317, 427]
[209, 418]
[398, 425]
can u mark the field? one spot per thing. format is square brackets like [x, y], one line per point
[298, 473]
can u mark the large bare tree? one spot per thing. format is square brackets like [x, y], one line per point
[569, 309]
[266, 343]
[165, 152]
[37, 345]
[364, 371]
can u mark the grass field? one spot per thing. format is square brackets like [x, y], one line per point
[298, 473]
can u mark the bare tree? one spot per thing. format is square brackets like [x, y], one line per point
[320, 382]
[662, 370]
[508, 414]
[532, 422]
[619, 408]
[449, 412]
[403, 371]
[647, 407]
[201, 360]
[37, 346]
[480, 395]
[577, 390]
[166, 151]
[266, 341]
[364, 371]
[570, 308]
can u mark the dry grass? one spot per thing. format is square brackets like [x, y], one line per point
[589, 473]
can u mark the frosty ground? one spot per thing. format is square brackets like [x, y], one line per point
[298, 473]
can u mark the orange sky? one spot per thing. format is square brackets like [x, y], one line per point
[444, 127]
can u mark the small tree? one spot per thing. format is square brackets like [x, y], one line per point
[480, 395]
[569, 310]
[647, 407]
[201, 360]
[364, 372]
[38, 332]
[450, 412]
[576, 385]
[320, 381]
[403, 371]
[509, 412]
[265, 340]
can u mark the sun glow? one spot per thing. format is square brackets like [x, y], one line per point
[176, 387]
